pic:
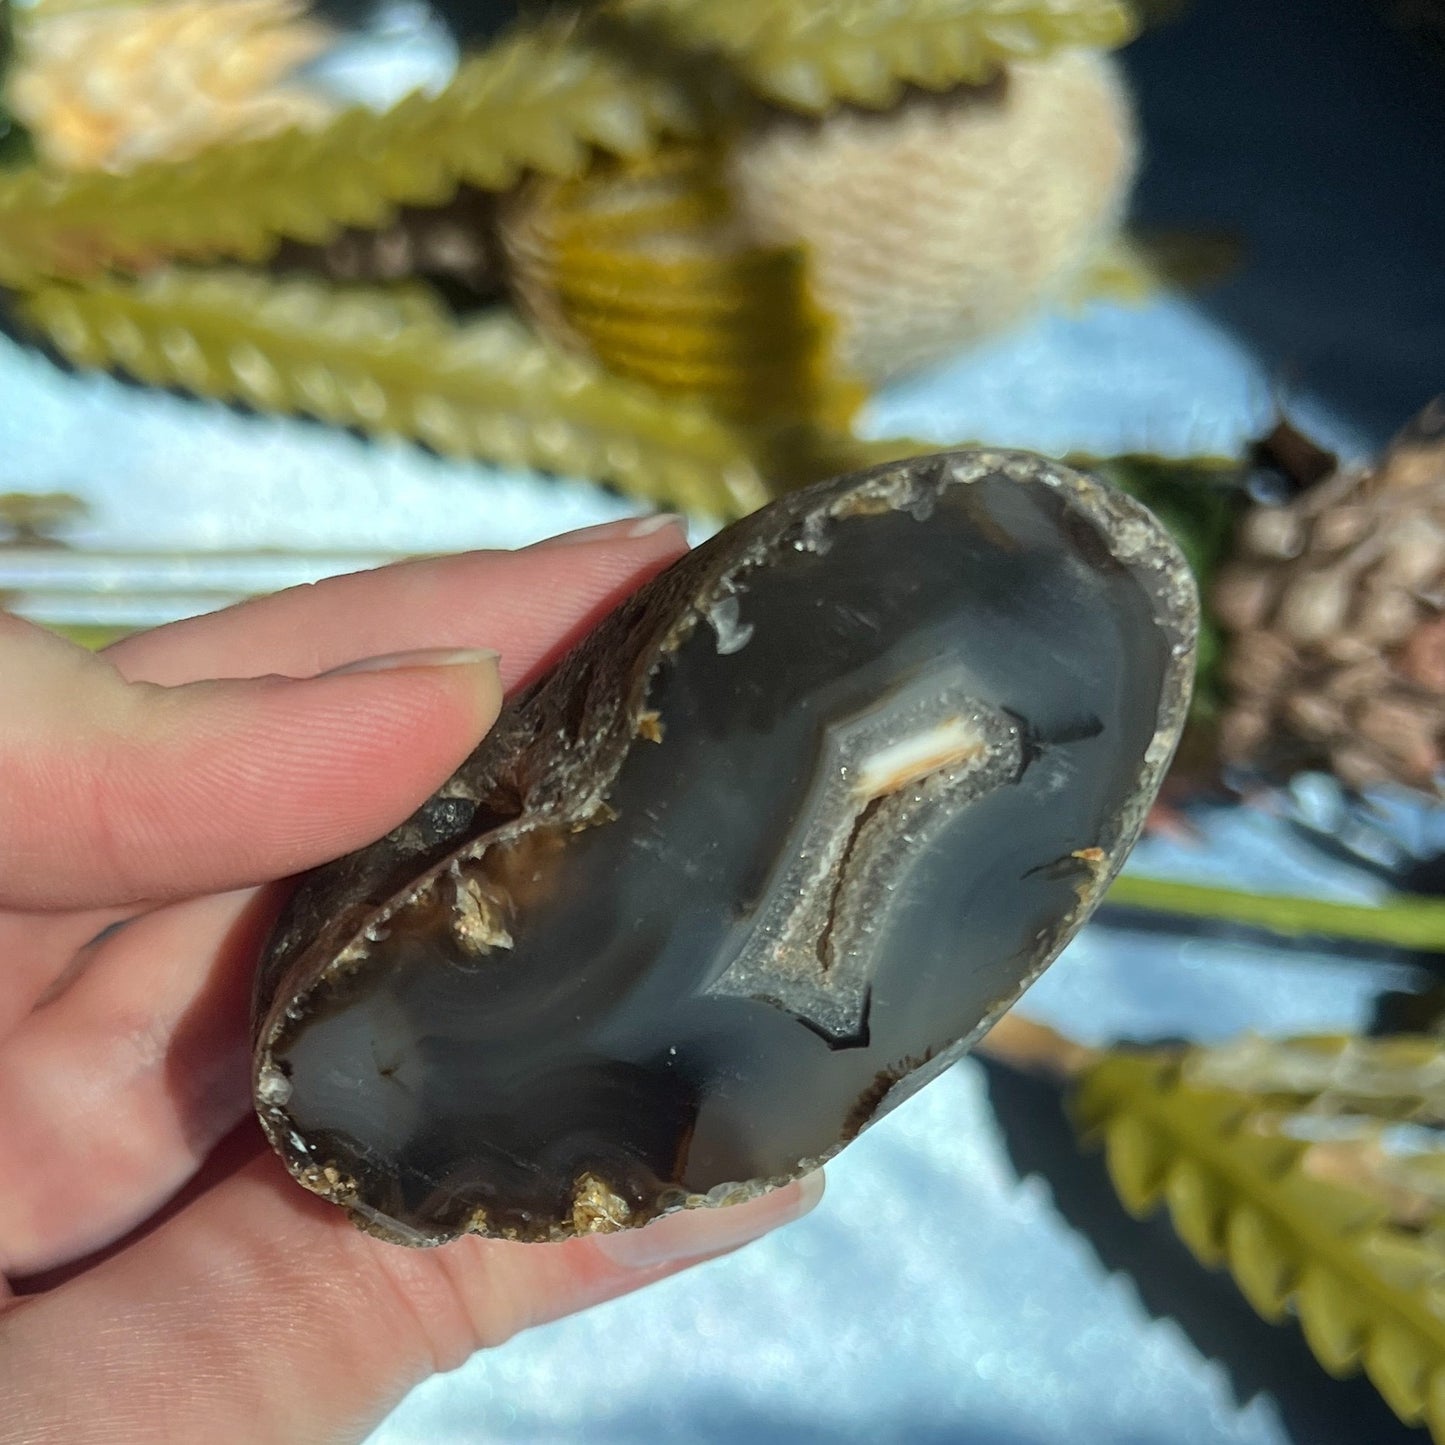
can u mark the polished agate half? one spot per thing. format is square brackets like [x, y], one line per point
[760, 857]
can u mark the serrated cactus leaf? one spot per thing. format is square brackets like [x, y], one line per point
[1331, 1324]
[545, 98]
[1400, 1367]
[396, 366]
[1260, 1261]
[811, 54]
[1350, 1259]
[541, 99]
[1138, 1161]
[1199, 1207]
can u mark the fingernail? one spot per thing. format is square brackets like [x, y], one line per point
[699, 1233]
[422, 657]
[627, 529]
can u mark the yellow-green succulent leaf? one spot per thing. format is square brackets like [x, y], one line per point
[543, 99]
[810, 55]
[395, 365]
[1367, 1291]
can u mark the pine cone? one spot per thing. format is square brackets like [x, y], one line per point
[107, 88]
[1334, 607]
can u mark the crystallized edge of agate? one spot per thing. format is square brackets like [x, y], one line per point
[552, 756]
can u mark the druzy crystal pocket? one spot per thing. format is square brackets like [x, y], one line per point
[756, 860]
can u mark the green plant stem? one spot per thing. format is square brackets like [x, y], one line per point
[1404, 922]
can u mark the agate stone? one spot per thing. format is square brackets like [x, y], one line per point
[760, 857]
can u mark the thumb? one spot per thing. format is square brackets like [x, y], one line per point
[260, 1314]
[115, 792]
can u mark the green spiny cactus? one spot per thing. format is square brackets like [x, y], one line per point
[543, 99]
[1327, 1245]
[808, 55]
[395, 364]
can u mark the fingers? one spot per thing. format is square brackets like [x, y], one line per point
[528, 605]
[534, 603]
[112, 1095]
[125, 792]
[258, 1314]
[117, 792]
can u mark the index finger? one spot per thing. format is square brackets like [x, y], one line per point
[526, 604]
[529, 605]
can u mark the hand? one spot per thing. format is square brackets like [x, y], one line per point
[168, 1280]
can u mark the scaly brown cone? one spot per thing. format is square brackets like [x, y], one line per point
[1335, 615]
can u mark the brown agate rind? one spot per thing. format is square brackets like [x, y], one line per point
[760, 857]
